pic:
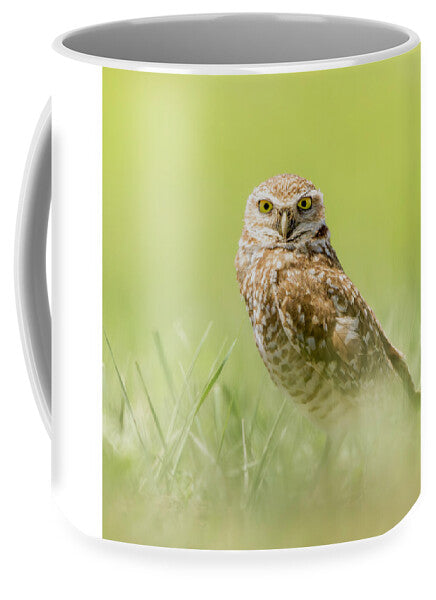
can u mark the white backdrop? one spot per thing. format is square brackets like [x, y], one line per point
[43, 554]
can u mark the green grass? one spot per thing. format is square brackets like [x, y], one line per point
[198, 455]
[202, 453]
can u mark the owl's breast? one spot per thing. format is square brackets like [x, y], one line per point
[257, 288]
[286, 365]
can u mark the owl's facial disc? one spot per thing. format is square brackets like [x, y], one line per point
[306, 216]
[273, 220]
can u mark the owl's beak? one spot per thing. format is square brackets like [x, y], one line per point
[287, 224]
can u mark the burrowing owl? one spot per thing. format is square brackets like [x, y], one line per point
[317, 336]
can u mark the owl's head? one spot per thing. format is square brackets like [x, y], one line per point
[284, 210]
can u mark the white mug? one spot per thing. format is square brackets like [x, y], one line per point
[232, 357]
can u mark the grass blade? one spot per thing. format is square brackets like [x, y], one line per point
[124, 391]
[185, 385]
[201, 446]
[245, 468]
[229, 410]
[213, 379]
[164, 363]
[256, 410]
[264, 457]
[198, 350]
[150, 404]
[180, 444]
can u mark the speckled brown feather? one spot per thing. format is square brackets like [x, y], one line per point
[318, 338]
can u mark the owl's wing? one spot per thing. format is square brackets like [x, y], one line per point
[328, 322]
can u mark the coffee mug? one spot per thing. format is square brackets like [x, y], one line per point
[234, 358]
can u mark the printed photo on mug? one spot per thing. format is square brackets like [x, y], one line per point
[236, 280]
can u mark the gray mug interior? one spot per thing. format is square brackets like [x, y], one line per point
[243, 39]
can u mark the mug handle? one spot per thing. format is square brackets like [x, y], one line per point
[30, 265]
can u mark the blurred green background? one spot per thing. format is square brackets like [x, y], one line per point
[181, 153]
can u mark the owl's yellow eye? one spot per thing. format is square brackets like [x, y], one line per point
[265, 206]
[304, 203]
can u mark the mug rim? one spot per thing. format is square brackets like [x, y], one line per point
[229, 68]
